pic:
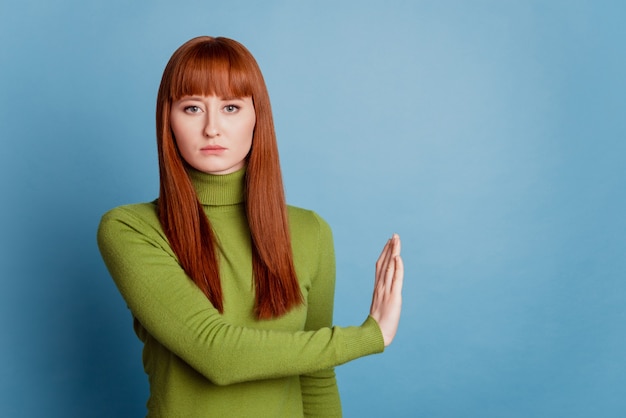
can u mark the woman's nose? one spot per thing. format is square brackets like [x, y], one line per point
[210, 127]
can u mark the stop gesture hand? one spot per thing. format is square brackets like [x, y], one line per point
[387, 298]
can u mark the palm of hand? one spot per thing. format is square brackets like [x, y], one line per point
[387, 298]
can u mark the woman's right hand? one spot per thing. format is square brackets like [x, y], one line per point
[387, 299]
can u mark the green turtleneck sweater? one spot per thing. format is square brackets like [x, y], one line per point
[201, 363]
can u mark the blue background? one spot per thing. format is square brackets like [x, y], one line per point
[489, 134]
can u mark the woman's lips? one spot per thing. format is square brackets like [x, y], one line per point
[212, 149]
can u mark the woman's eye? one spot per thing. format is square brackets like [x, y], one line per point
[192, 109]
[231, 108]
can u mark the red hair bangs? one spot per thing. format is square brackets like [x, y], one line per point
[212, 69]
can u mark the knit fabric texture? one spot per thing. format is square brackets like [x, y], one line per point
[201, 363]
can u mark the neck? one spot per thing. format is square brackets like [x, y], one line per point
[218, 190]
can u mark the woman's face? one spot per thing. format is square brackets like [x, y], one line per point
[213, 134]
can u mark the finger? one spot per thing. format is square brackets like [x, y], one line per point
[395, 249]
[390, 271]
[398, 279]
[383, 253]
[379, 277]
[383, 262]
[397, 244]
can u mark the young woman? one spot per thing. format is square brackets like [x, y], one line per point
[232, 290]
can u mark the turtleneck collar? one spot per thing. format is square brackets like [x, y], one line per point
[219, 190]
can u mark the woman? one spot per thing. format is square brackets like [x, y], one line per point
[231, 290]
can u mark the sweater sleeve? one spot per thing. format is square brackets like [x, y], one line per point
[320, 395]
[175, 312]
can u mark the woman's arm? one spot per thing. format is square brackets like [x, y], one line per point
[320, 395]
[319, 390]
[175, 312]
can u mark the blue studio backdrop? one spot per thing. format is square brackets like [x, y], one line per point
[489, 134]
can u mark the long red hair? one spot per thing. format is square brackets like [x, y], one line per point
[223, 67]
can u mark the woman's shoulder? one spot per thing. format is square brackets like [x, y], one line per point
[311, 239]
[133, 214]
[307, 222]
[137, 209]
